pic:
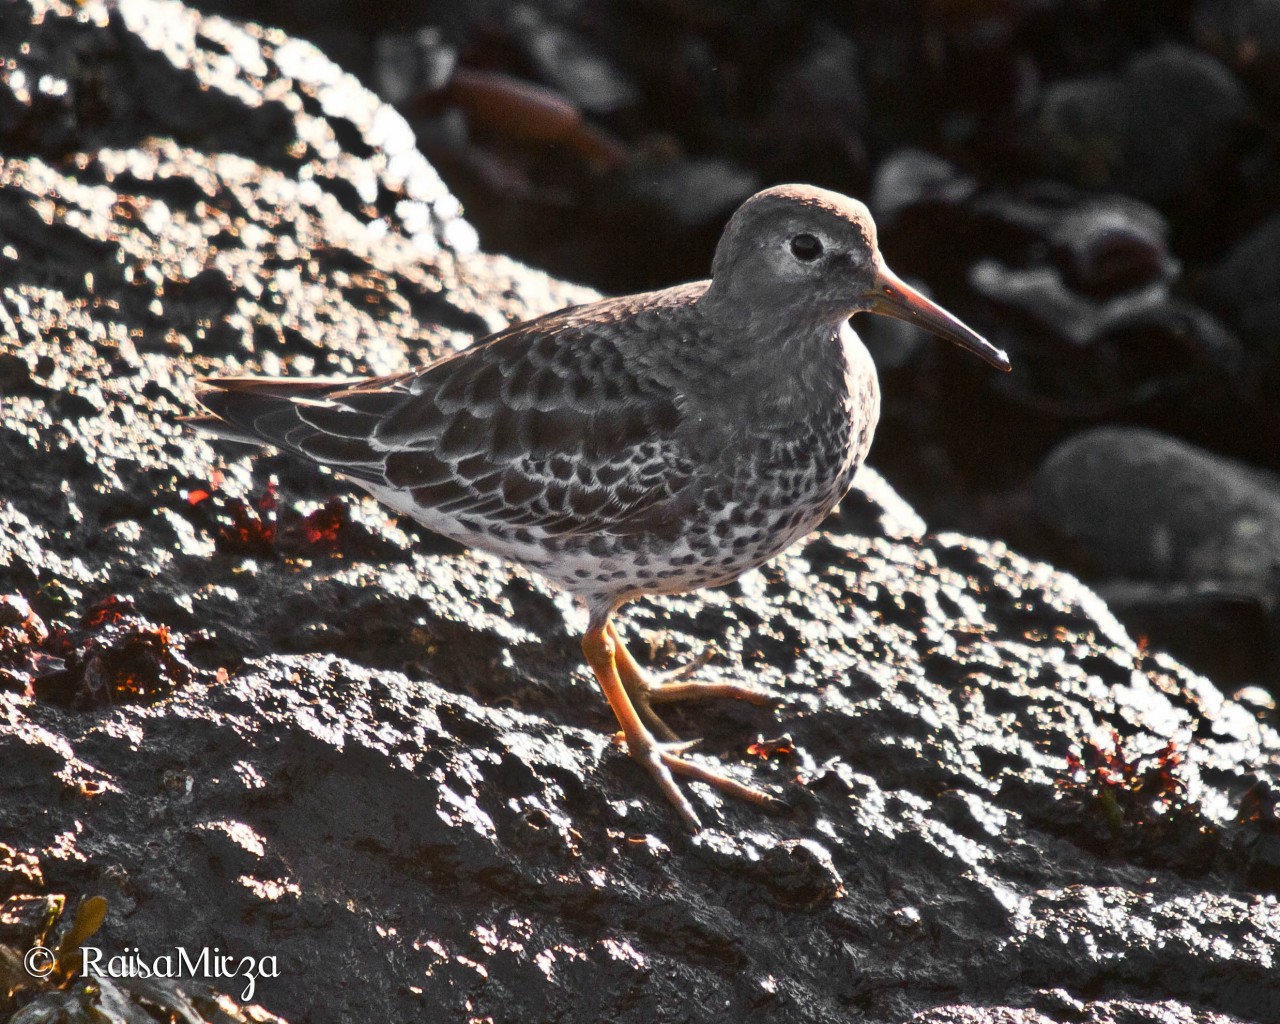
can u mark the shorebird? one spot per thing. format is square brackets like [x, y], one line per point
[649, 444]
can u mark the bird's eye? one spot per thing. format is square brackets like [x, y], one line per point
[806, 247]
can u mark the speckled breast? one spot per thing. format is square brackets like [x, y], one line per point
[799, 476]
[765, 486]
[782, 481]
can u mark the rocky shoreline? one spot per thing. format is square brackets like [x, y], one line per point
[250, 710]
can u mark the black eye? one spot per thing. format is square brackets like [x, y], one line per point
[806, 247]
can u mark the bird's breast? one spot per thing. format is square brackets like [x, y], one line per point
[862, 398]
[816, 445]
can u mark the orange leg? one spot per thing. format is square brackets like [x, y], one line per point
[659, 759]
[647, 689]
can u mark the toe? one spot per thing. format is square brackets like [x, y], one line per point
[722, 782]
[655, 761]
[683, 672]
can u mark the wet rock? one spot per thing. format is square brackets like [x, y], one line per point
[1112, 245]
[1120, 354]
[1082, 288]
[1258, 845]
[1160, 131]
[1245, 284]
[1042, 296]
[1136, 507]
[817, 116]
[1245, 35]
[408, 64]
[1102, 246]
[568, 63]
[1113, 491]
[912, 179]
[389, 767]
[1222, 632]
[692, 193]
[801, 874]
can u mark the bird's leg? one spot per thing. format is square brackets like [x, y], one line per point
[647, 689]
[638, 686]
[659, 759]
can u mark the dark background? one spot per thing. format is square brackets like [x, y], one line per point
[1093, 185]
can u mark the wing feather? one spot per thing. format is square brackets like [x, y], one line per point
[557, 425]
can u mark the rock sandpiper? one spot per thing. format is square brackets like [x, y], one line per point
[649, 444]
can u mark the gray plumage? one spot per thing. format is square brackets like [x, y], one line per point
[646, 444]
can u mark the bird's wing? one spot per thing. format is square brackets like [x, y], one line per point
[547, 426]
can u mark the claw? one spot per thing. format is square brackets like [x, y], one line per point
[656, 764]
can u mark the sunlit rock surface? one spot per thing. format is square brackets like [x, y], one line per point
[355, 747]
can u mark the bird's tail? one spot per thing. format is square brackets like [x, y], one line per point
[215, 427]
[257, 410]
[299, 415]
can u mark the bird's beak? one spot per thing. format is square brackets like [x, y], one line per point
[891, 296]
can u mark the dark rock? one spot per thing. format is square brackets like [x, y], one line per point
[15, 374]
[409, 64]
[1119, 354]
[1245, 284]
[1245, 35]
[817, 114]
[1113, 245]
[1159, 131]
[1226, 634]
[1258, 845]
[568, 63]
[911, 179]
[1089, 277]
[1201, 531]
[1042, 296]
[1153, 507]
[690, 192]
[1103, 246]
[389, 768]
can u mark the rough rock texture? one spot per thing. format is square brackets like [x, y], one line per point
[1092, 185]
[307, 730]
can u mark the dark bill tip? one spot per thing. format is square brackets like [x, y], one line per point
[893, 297]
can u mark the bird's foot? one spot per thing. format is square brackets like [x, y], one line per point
[670, 686]
[660, 692]
[646, 689]
[662, 760]
[683, 672]
[646, 692]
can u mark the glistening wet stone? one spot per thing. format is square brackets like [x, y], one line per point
[409, 850]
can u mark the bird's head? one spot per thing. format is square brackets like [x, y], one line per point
[800, 250]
